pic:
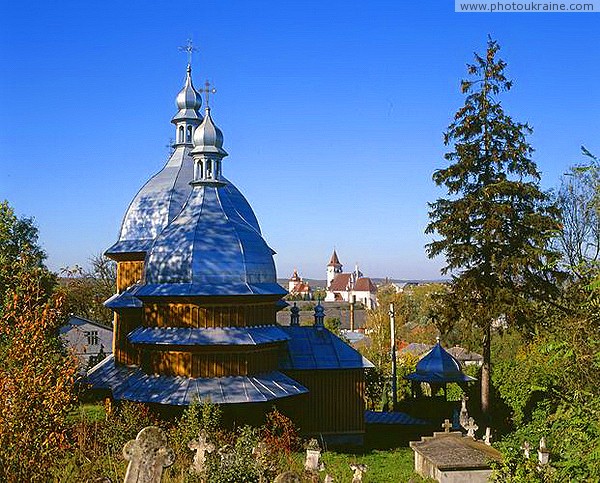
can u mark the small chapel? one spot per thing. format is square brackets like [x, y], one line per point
[197, 297]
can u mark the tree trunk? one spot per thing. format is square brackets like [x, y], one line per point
[486, 370]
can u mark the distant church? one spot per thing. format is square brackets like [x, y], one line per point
[197, 298]
[348, 287]
[297, 286]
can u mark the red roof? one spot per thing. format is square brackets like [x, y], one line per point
[302, 287]
[340, 282]
[364, 284]
[334, 260]
[295, 276]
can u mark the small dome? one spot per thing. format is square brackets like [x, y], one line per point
[188, 97]
[208, 138]
[438, 366]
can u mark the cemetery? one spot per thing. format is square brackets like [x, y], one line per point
[176, 356]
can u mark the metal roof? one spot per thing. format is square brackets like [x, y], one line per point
[209, 244]
[210, 336]
[317, 348]
[438, 366]
[132, 384]
[379, 417]
[188, 100]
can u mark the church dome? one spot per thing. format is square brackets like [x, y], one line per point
[210, 249]
[188, 101]
[208, 138]
[439, 366]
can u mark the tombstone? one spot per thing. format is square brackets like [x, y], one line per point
[328, 478]
[487, 439]
[147, 454]
[453, 457]
[446, 426]
[359, 471]
[526, 449]
[543, 453]
[288, 477]
[313, 456]
[201, 446]
[471, 427]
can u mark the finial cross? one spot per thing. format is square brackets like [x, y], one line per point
[208, 90]
[189, 49]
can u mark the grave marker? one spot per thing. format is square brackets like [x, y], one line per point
[148, 454]
[201, 446]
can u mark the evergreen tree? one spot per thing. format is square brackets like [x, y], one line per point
[496, 224]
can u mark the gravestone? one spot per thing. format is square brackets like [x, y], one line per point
[487, 439]
[471, 427]
[201, 446]
[148, 454]
[359, 471]
[328, 478]
[526, 449]
[453, 458]
[543, 453]
[463, 418]
[313, 456]
[447, 425]
[288, 477]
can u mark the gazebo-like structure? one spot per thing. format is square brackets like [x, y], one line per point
[438, 368]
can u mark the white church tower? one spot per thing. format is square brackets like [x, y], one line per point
[334, 267]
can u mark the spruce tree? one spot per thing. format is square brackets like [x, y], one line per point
[496, 224]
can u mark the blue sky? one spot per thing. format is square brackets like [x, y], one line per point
[333, 113]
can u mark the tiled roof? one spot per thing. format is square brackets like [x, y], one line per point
[302, 287]
[340, 282]
[334, 259]
[364, 284]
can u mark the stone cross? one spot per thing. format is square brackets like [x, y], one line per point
[313, 456]
[201, 446]
[446, 426]
[147, 454]
[471, 427]
[526, 448]
[487, 439]
[543, 453]
[359, 471]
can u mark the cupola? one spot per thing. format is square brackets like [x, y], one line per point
[188, 101]
[208, 152]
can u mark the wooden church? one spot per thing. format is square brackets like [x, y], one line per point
[197, 298]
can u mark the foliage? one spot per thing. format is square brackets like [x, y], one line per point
[86, 291]
[20, 254]
[579, 202]
[279, 432]
[36, 377]
[496, 225]
[333, 324]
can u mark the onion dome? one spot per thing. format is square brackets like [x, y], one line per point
[438, 366]
[188, 101]
[208, 138]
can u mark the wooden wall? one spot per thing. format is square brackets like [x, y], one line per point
[210, 361]
[125, 321]
[128, 273]
[335, 403]
[209, 316]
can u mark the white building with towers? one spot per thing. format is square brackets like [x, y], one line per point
[349, 287]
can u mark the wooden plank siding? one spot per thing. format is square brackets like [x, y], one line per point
[125, 322]
[210, 363]
[209, 316]
[129, 273]
[335, 403]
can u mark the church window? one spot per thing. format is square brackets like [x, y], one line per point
[180, 134]
[189, 134]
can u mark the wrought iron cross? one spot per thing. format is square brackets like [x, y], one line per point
[208, 90]
[189, 48]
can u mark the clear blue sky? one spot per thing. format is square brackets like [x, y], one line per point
[332, 112]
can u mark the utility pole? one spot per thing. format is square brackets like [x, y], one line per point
[393, 353]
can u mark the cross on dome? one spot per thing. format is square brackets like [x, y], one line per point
[189, 49]
[207, 91]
